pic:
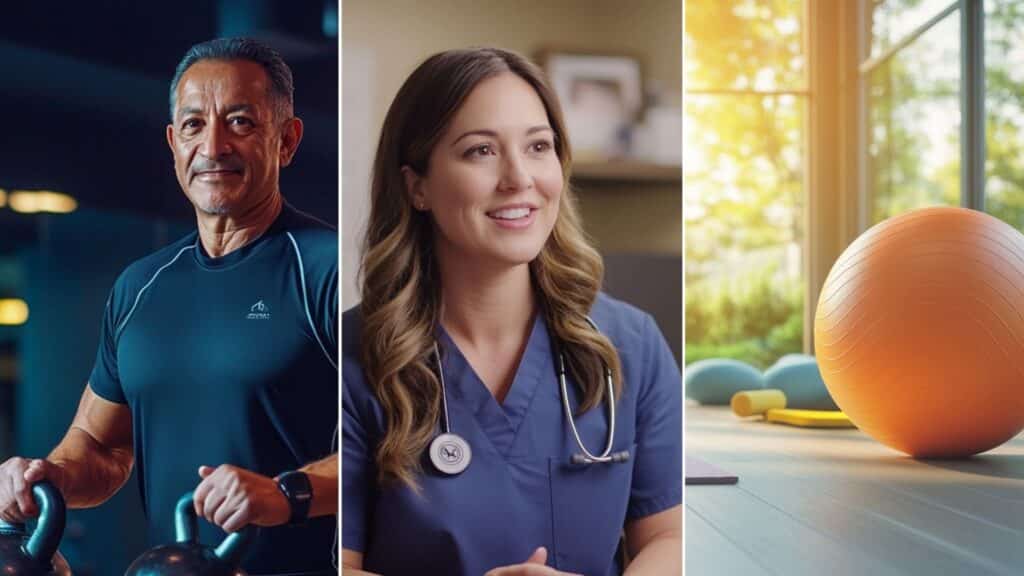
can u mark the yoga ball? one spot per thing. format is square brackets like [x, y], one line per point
[919, 332]
[713, 381]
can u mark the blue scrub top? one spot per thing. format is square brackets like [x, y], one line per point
[521, 490]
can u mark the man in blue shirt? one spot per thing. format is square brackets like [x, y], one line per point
[217, 364]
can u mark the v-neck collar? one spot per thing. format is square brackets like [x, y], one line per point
[500, 422]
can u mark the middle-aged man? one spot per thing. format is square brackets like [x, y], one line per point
[217, 363]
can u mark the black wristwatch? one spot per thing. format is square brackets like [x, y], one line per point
[296, 488]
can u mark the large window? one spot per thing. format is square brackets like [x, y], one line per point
[914, 121]
[934, 107]
[743, 171]
[929, 110]
[1004, 110]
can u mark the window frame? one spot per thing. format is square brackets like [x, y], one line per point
[839, 199]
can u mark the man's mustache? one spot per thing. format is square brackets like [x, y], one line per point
[223, 164]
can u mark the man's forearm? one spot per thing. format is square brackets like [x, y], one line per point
[91, 472]
[323, 476]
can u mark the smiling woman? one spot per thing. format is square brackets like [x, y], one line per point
[494, 182]
[481, 303]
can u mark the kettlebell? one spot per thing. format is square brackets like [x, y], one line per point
[187, 557]
[23, 554]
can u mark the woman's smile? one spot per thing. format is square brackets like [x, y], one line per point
[516, 217]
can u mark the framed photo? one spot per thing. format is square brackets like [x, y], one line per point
[601, 95]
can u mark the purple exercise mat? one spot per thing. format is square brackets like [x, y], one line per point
[700, 472]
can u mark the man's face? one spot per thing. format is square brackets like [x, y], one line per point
[228, 146]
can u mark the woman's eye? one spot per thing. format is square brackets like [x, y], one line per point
[481, 150]
[541, 146]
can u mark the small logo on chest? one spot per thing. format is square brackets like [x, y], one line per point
[258, 311]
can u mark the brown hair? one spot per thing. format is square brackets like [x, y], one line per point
[400, 283]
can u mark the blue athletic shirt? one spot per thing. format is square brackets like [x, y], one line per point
[521, 489]
[229, 360]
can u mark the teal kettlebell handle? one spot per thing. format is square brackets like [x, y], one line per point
[185, 521]
[231, 550]
[45, 539]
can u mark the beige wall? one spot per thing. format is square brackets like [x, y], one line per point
[383, 40]
[404, 32]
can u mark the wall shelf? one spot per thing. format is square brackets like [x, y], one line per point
[627, 171]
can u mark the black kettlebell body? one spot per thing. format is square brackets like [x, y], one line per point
[187, 557]
[182, 559]
[35, 554]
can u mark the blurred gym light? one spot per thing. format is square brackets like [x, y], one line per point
[13, 312]
[3, 197]
[330, 20]
[34, 201]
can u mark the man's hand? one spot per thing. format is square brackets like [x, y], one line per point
[17, 476]
[233, 497]
[534, 566]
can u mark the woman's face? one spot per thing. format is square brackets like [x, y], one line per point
[494, 180]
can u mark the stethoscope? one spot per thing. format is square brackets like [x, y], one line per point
[451, 454]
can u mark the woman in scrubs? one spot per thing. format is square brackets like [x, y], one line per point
[476, 280]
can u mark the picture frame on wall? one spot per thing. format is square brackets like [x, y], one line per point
[602, 97]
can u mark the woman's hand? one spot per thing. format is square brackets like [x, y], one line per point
[534, 566]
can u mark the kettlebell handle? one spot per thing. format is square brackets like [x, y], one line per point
[231, 550]
[45, 539]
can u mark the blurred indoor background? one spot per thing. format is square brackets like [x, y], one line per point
[627, 174]
[87, 186]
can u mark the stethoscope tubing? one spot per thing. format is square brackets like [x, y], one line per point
[444, 392]
[586, 457]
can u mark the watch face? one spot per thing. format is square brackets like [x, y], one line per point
[296, 487]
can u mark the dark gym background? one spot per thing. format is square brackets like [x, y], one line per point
[83, 90]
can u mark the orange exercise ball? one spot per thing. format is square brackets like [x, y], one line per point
[919, 332]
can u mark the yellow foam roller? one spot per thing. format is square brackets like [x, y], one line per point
[753, 402]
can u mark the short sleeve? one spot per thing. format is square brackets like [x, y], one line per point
[658, 463]
[104, 379]
[318, 260]
[358, 470]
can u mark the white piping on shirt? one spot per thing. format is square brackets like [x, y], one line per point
[305, 301]
[312, 326]
[138, 297]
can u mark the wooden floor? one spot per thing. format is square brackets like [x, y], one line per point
[836, 502]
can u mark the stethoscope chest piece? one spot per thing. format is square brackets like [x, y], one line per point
[450, 453]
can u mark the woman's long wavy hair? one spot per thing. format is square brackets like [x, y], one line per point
[401, 289]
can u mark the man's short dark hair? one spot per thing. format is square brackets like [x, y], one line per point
[279, 74]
